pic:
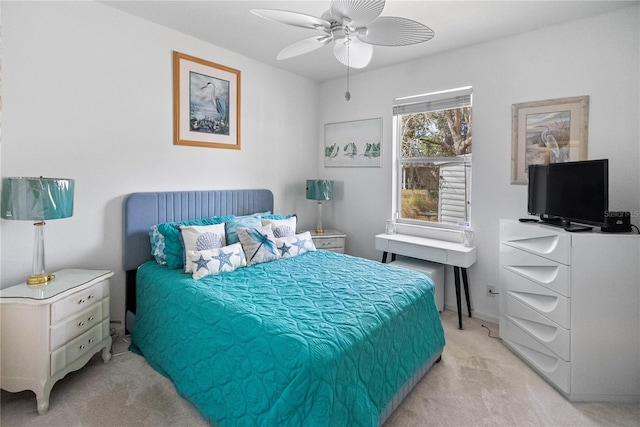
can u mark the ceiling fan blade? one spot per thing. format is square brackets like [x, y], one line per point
[304, 46]
[353, 53]
[359, 12]
[394, 31]
[292, 18]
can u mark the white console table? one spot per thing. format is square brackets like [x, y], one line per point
[441, 251]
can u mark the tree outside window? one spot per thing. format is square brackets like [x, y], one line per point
[434, 164]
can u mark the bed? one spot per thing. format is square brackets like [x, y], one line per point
[317, 339]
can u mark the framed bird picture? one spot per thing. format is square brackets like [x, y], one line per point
[550, 131]
[206, 103]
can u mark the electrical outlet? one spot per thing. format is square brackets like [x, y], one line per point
[491, 291]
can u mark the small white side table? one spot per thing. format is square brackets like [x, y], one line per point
[330, 240]
[51, 330]
[440, 251]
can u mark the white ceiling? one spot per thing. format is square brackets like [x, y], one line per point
[230, 25]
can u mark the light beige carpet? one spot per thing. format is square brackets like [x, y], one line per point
[478, 383]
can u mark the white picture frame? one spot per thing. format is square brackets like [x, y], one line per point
[356, 143]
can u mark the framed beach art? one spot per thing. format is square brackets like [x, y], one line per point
[548, 131]
[353, 144]
[206, 103]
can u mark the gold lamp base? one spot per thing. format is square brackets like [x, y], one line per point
[319, 231]
[41, 279]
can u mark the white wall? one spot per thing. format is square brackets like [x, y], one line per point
[598, 57]
[87, 94]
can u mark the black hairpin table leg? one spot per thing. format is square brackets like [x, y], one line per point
[457, 271]
[384, 257]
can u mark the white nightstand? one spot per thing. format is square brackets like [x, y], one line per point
[330, 240]
[49, 331]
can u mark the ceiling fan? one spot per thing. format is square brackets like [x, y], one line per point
[354, 26]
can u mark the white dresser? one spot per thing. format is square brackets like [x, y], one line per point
[49, 331]
[570, 308]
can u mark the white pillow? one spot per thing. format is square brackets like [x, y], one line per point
[298, 244]
[282, 227]
[216, 261]
[258, 244]
[200, 238]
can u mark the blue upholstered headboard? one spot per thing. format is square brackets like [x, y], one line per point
[143, 210]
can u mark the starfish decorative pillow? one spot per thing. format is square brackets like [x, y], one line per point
[215, 261]
[298, 244]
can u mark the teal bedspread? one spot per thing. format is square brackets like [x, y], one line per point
[321, 339]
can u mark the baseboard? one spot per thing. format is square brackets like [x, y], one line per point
[476, 314]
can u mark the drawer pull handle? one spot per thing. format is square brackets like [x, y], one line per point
[91, 318]
[90, 297]
[80, 324]
[81, 301]
[82, 347]
[91, 341]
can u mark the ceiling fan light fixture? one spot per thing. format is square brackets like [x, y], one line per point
[353, 53]
[353, 25]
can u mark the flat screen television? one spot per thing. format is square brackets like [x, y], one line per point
[571, 192]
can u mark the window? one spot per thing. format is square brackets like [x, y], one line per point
[432, 178]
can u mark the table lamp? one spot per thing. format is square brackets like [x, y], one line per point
[37, 199]
[320, 190]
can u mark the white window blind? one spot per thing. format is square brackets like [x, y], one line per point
[445, 100]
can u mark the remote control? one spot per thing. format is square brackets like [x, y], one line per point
[528, 220]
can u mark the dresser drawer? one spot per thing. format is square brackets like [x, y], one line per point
[543, 271]
[78, 301]
[548, 333]
[543, 360]
[550, 304]
[85, 343]
[549, 243]
[77, 325]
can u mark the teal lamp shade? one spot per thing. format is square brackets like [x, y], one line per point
[319, 189]
[38, 200]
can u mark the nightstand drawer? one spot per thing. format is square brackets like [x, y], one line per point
[76, 348]
[79, 324]
[329, 243]
[330, 240]
[78, 301]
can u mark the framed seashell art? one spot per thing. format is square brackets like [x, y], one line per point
[206, 103]
[353, 144]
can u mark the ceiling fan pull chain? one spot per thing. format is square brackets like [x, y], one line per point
[347, 94]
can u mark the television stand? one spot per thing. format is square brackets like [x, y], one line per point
[582, 329]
